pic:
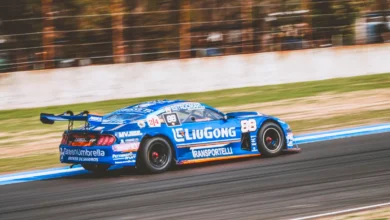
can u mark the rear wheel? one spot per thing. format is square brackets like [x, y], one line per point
[96, 168]
[155, 155]
[270, 139]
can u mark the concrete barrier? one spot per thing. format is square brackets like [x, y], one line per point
[95, 83]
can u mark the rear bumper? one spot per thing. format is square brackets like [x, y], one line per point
[96, 155]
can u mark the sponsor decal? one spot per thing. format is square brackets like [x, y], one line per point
[141, 124]
[171, 119]
[253, 141]
[127, 161]
[125, 134]
[181, 134]
[290, 139]
[150, 103]
[126, 147]
[98, 128]
[128, 156]
[81, 140]
[84, 159]
[187, 106]
[168, 110]
[135, 109]
[82, 152]
[95, 118]
[153, 121]
[129, 140]
[214, 152]
[248, 125]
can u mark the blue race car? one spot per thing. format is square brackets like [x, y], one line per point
[154, 135]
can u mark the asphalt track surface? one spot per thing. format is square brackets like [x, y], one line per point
[325, 176]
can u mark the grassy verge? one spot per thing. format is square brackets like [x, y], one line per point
[301, 126]
[29, 162]
[21, 128]
[11, 120]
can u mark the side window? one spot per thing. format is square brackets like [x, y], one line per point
[213, 115]
[203, 115]
[195, 115]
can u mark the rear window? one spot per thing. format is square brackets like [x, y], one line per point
[120, 117]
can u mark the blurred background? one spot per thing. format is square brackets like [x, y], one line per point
[45, 34]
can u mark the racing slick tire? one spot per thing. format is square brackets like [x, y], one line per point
[96, 168]
[270, 139]
[155, 155]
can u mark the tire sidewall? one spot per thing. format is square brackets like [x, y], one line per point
[260, 139]
[144, 161]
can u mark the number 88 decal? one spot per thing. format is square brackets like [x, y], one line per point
[248, 125]
[171, 118]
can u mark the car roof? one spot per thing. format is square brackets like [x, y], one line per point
[157, 104]
[149, 107]
[145, 109]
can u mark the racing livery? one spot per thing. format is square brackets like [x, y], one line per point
[154, 135]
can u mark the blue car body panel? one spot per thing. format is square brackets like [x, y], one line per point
[192, 141]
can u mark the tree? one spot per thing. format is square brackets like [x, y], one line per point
[19, 32]
[333, 17]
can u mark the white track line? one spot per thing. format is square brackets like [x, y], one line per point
[342, 211]
[40, 174]
[354, 131]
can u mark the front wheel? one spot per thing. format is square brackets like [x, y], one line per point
[270, 139]
[96, 168]
[155, 155]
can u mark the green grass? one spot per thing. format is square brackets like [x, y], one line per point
[29, 163]
[11, 120]
[300, 126]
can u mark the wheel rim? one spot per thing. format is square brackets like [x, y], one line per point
[272, 140]
[158, 155]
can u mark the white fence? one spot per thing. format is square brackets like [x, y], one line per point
[95, 83]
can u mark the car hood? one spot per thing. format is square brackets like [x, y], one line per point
[243, 114]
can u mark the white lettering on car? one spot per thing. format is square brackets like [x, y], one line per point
[125, 134]
[127, 156]
[180, 134]
[126, 147]
[187, 106]
[248, 125]
[214, 152]
[82, 152]
[83, 159]
[290, 139]
[95, 118]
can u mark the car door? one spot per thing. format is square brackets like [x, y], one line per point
[205, 134]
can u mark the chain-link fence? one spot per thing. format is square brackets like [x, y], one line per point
[39, 34]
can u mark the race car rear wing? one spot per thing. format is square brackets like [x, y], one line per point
[70, 117]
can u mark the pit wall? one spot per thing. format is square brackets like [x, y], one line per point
[96, 83]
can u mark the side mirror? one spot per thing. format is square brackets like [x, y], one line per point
[225, 117]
